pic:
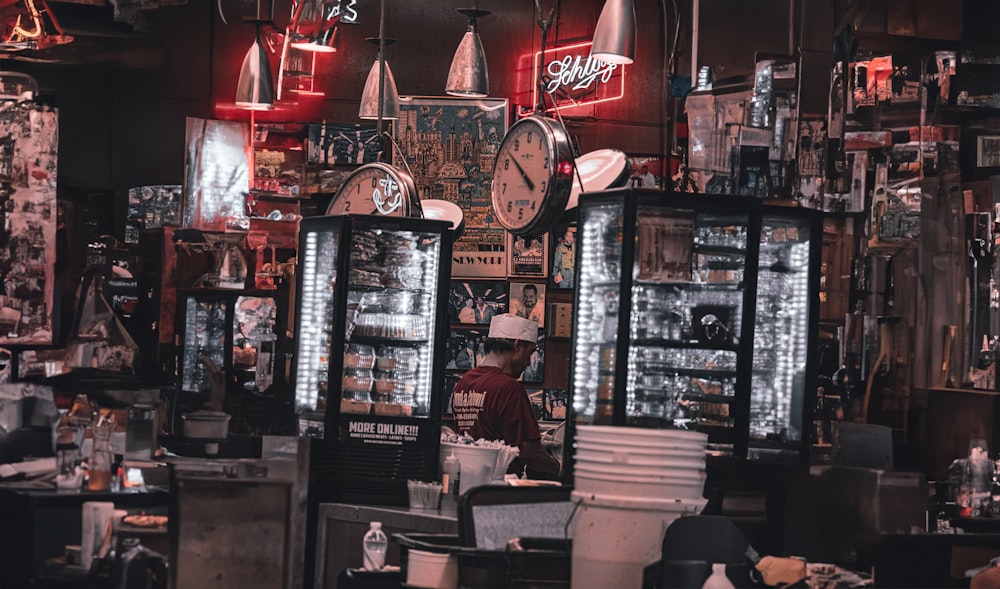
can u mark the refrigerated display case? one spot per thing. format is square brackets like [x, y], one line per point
[368, 374]
[697, 312]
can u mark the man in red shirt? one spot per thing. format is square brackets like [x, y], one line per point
[488, 402]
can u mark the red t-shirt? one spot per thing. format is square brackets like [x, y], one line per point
[487, 403]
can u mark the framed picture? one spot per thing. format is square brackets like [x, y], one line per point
[563, 254]
[535, 372]
[450, 380]
[449, 145]
[537, 398]
[466, 348]
[476, 302]
[556, 401]
[527, 299]
[648, 171]
[988, 151]
[560, 320]
[527, 256]
[152, 206]
[333, 144]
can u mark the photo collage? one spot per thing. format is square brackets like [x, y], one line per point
[539, 279]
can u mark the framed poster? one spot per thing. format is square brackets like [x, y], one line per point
[563, 254]
[988, 151]
[527, 299]
[527, 256]
[537, 398]
[555, 404]
[152, 206]
[449, 145]
[647, 171]
[333, 144]
[535, 372]
[560, 320]
[466, 348]
[476, 302]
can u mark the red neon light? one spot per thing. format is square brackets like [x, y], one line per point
[617, 78]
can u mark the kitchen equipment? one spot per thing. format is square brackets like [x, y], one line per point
[206, 425]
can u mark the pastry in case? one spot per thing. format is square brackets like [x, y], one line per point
[359, 356]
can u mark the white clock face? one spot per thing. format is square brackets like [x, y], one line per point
[522, 174]
[372, 189]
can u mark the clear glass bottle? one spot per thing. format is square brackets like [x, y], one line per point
[99, 465]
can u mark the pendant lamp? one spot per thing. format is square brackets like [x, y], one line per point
[614, 37]
[468, 75]
[370, 97]
[380, 99]
[255, 89]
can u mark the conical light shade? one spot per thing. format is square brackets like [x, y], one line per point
[614, 38]
[325, 41]
[468, 75]
[369, 98]
[255, 89]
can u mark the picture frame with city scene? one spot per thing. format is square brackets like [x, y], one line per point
[449, 147]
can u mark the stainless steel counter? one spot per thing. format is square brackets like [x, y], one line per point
[341, 527]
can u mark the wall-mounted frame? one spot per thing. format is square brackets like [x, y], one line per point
[562, 274]
[648, 171]
[465, 349]
[527, 256]
[988, 151]
[560, 320]
[449, 146]
[476, 302]
[527, 299]
[535, 371]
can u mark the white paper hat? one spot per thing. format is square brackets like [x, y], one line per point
[509, 326]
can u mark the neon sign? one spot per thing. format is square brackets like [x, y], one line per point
[347, 11]
[573, 78]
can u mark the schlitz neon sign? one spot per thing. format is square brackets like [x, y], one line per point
[573, 78]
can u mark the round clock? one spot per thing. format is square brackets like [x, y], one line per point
[532, 175]
[376, 188]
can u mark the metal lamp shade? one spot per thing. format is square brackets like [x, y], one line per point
[369, 98]
[255, 89]
[325, 41]
[468, 75]
[614, 38]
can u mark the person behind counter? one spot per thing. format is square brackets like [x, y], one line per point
[488, 402]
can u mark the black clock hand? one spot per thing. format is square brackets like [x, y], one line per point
[524, 175]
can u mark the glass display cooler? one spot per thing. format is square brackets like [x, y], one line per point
[370, 327]
[698, 312]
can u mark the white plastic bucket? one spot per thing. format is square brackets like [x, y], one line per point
[627, 458]
[615, 537]
[431, 569]
[622, 435]
[690, 487]
[478, 464]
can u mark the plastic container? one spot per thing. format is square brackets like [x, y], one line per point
[616, 537]
[479, 464]
[450, 475]
[375, 545]
[427, 561]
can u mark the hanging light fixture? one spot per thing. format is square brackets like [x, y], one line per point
[468, 75]
[614, 37]
[380, 99]
[255, 89]
[314, 26]
[27, 28]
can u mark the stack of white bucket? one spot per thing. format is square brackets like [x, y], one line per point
[630, 484]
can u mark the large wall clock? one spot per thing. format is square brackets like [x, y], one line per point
[376, 188]
[532, 175]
